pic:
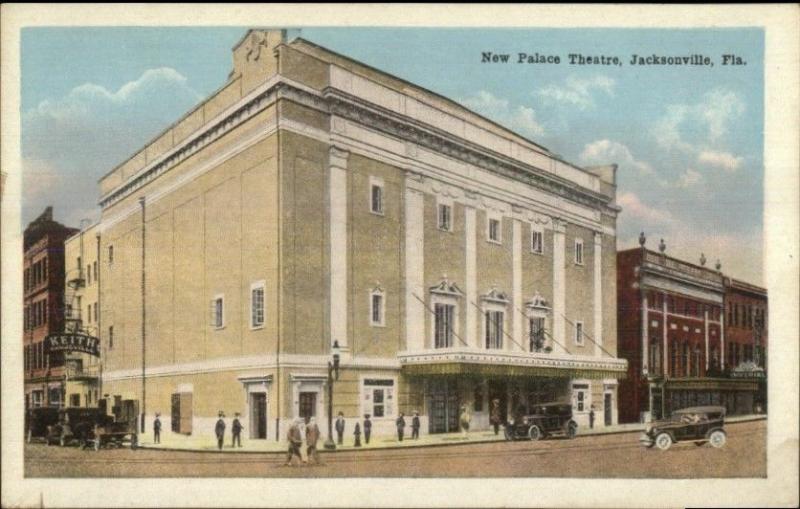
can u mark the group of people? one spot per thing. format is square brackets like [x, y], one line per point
[236, 430]
[295, 438]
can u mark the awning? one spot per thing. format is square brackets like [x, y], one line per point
[477, 362]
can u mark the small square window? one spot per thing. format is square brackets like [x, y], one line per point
[579, 251]
[494, 230]
[537, 241]
[445, 217]
[376, 194]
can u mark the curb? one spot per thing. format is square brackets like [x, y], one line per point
[733, 420]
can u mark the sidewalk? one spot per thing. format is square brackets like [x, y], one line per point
[175, 442]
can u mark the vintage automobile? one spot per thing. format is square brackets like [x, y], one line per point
[75, 424]
[695, 424]
[37, 420]
[546, 420]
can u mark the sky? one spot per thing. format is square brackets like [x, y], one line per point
[688, 139]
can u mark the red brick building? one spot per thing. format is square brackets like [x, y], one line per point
[43, 302]
[672, 332]
[746, 334]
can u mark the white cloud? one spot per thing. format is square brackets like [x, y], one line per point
[70, 141]
[689, 178]
[517, 118]
[577, 91]
[705, 122]
[633, 209]
[723, 160]
[607, 152]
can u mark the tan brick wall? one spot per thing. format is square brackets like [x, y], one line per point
[579, 285]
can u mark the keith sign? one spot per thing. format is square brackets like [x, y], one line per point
[69, 342]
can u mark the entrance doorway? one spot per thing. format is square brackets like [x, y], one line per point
[607, 409]
[443, 405]
[497, 391]
[308, 404]
[258, 415]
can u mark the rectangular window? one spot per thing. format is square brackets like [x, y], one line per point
[80, 266]
[95, 312]
[88, 274]
[536, 326]
[494, 230]
[89, 313]
[379, 397]
[655, 359]
[494, 329]
[94, 269]
[579, 251]
[257, 305]
[110, 254]
[111, 337]
[445, 213]
[218, 312]
[376, 314]
[377, 199]
[579, 333]
[443, 327]
[537, 241]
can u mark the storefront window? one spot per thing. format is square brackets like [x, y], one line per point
[378, 397]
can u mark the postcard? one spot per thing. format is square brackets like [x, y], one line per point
[400, 255]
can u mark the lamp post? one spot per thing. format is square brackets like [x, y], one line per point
[333, 370]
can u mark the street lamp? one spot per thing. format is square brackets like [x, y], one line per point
[333, 369]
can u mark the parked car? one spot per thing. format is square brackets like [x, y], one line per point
[546, 420]
[702, 424]
[37, 420]
[76, 424]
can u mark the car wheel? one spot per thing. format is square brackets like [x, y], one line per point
[572, 430]
[663, 441]
[534, 433]
[717, 438]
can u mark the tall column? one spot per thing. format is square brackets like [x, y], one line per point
[645, 330]
[414, 266]
[337, 199]
[559, 295]
[598, 293]
[705, 333]
[470, 284]
[516, 284]
[665, 323]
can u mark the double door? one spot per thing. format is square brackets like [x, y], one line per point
[443, 405]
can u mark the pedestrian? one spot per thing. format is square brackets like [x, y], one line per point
[464, 420]
[357, 434]
[312, 436]
[401, 426]
[415, 426]
[340, 428]
[236, 430]
[495, 416]
[157, 429]
[295, 439]
[591, 417]
[367, 428]
[219, 429]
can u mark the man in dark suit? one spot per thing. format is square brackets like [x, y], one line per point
[236, 431]
[157, 429]
[367, 428]
[401, 426]
[340, 428]
[219, 429]
[415, 426]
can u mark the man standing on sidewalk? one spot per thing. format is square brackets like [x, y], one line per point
[401, 426]
[219, 429]
[495, 416]
[415, 426]
[236, 431]
[157, 429]
[367, 428]
[295, 441]
[591, 418]
[312, 436]
[340, 428]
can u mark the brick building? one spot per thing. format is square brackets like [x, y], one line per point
[43, 301]
[672, 332]
[746, 335]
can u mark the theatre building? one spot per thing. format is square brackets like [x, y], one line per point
[672, 331]
[43, 298]
[315, 200]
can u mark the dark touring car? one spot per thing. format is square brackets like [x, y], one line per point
[695, 424]
[546, 420]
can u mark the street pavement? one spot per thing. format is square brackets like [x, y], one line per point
[616, 455]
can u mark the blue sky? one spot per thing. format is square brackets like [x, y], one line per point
[688, 140]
